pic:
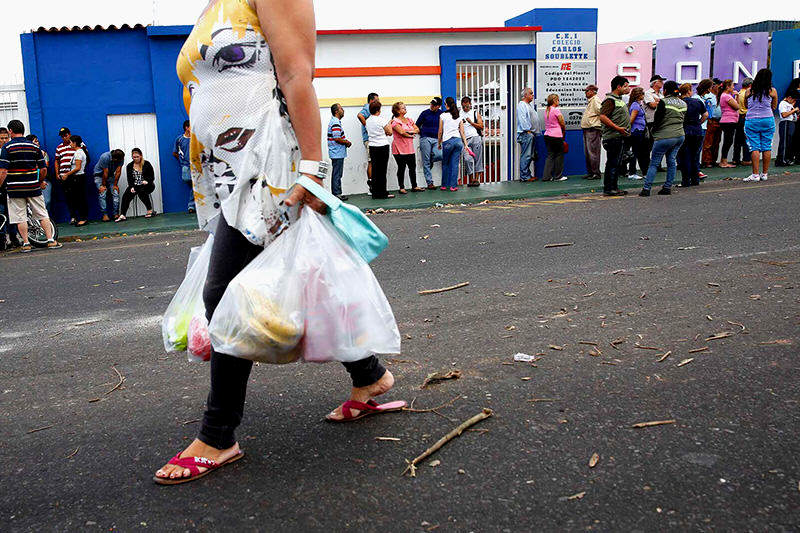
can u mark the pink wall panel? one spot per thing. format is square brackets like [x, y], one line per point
[612, 59]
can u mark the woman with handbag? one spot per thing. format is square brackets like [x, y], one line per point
[231, 80]
[555, 127]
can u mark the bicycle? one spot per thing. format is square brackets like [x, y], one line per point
[36, 234]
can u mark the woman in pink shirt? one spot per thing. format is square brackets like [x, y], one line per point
[403, 130]
[554, 140]
[729, 120]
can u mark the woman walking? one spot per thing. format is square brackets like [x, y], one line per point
[404, 129]
[141, 183]
[379, 131]
[759, 126]
[689, 153]
[668, 137]
[235, 86]
[451, 141]
[637, 141]
[554, 140]
[729, 120]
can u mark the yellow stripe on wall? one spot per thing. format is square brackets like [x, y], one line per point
[359, 101]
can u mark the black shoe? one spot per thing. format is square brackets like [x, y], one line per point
[781, 163]
[644, 192]
[615, 192]
[665, 191]
[595, 177]
[545, 179]
[588, 176]
[343, 198]
[661, 169]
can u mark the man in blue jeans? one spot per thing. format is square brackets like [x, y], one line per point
[428, 124]
[181, 153]
[527, 130]
[106, 178]
[337, 150]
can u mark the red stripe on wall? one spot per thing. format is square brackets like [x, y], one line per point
[501, 29]
[350, 72]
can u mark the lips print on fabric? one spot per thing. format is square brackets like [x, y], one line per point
[234, 139]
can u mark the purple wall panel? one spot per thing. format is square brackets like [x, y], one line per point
[732, 48]
[688, 50]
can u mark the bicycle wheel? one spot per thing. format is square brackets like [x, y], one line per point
[37, 235]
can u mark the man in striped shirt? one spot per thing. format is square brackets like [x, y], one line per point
[23, 170]
[64, 153]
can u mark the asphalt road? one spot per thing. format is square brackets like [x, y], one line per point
[661, 272]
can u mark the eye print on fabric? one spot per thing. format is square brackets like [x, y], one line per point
[229, 51]
[221, 172]
[234, 139]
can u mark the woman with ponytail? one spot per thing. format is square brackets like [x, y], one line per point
[759, 126]
[452, 142]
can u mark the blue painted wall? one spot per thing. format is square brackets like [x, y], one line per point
[785, 51]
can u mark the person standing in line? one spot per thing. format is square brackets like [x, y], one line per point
[452, 142]
[47, 187]
[473, 131]
[337, 150]
[740, 152]
[713, 131]
[403, 131]
[787, 116]
[363, 116]
[22, 166]
[592, 133]
[106, 177]
[762, 99]
[652, 96]
[555, 127]
[668, 137]
[729, 120]
[428, 124]
[616, 127]
[74, 181]
[181, 153]
[5, 230]
[527, 130]
[689, 153]
[379, 131]
[637, 142]
[63, 161]
[794, 89]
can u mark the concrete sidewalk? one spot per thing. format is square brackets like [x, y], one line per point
[507, 190]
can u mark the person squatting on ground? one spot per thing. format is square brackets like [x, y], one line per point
[428, 124]
[141, 183]
[689, 153]
[616, 127]
[527, 130]
[452, 142]
[592, 133]
[379, 131]
[107, 172]
[337, 149]
[555, 127]
[667, 137]
[787, 116]
[638, 142]
[759, 126]
[181, 152]
[403, 132]
[285, 33]
[473, 131]
[23, 170]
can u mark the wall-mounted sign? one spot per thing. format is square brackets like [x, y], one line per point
[565, 65]
[684, 59]
[633, 59]
[740, 55]
[785, 59]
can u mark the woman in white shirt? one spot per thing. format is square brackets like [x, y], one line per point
[380, 133]
[787, 129]
[451, 142]
[74, 183]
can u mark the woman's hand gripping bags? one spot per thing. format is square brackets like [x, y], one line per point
[307, 294]
[184, 326]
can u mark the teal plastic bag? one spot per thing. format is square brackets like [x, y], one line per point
[353, 225]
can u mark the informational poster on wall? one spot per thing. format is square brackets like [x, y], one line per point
[565, 65]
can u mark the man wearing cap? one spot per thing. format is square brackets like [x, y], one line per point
[428, 124]
[527, 130]
[592, 133]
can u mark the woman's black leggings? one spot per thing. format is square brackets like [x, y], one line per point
[142, 191]
[75, 193]
[229, 375]
[379, 155]
[728, 135]
[638, 144]
[403, 161]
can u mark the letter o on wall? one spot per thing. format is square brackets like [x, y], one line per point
[698, 72]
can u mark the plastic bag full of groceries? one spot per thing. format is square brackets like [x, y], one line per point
[187, 306]
[309, 295]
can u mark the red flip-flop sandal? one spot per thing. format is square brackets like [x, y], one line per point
[193, 464]
[369, 408]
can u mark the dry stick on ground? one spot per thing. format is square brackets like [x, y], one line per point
[653, 423]
[590, 343]
[558, 244]
[667, 354]
[641, 347]
[696, 350]
[73, 454]
[737, 324]
[432, 409]
[436, 377]
[534, 400]
[443, 289]
[121, 380]
[38, 429]
[412, 465]
[717, 336]
[617, 341]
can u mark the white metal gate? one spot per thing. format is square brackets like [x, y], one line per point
[495, 89]
[13, 105]
[127, 132]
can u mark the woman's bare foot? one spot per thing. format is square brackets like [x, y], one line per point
[197, 449]
[363, 394]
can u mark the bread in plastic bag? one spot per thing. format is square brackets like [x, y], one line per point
[307, 294]
[188, 300]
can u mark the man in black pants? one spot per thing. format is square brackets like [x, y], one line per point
[616, 126]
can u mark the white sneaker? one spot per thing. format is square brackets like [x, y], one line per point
[564, 178]
[763, 177]
[753, 177]
[635, 177]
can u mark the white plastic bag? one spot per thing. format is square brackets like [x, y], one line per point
[188, 301]
[307, 294]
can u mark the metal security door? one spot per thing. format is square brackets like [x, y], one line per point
[13, 105]
[127, 132]
[495, 89]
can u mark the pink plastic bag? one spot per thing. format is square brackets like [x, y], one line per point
[199, 342]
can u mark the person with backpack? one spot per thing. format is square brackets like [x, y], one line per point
[473, 131]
